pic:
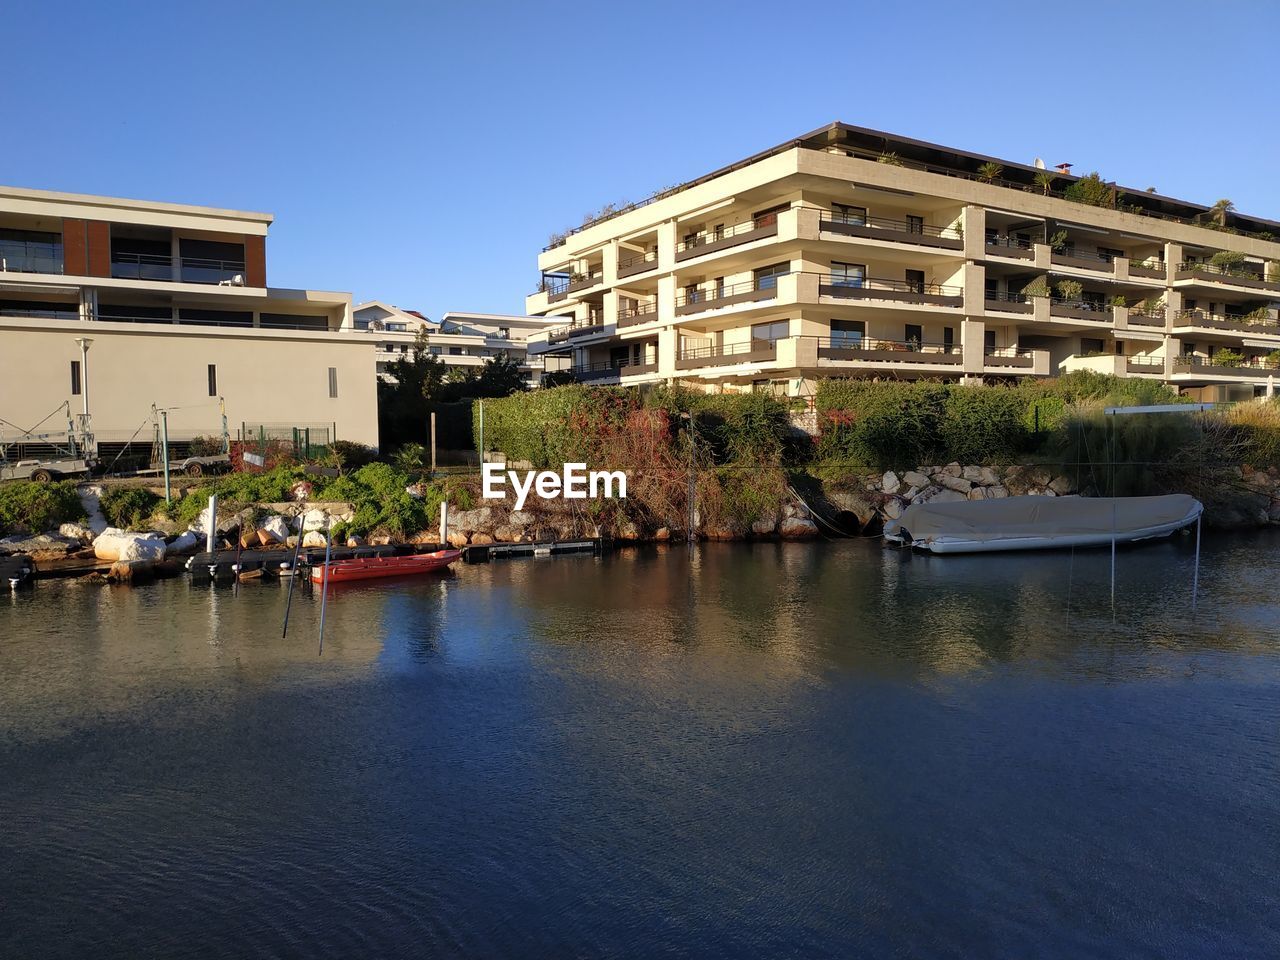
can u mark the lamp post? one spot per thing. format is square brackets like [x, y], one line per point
[84, 343]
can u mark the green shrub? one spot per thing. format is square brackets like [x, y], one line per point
[37, 507]
[1093, 190]
[128, 507]
[984, 425]
[1227, 358]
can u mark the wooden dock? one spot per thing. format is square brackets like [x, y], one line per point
[483, 553]
[223, 566]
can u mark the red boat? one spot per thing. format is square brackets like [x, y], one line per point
[368, 568]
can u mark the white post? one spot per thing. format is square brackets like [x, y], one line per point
[164, 449]
[213, 523]
[444, 523]
[481, 444]
[84, 372]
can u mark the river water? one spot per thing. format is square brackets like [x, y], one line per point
[778, 750]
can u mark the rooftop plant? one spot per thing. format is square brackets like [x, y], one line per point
[990, 171]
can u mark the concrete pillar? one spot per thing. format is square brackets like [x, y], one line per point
[610, 267]
[973, 334]
[975, 282]
[975, 232]
[175, 255]
[88, 309]
[667, 343]
[610, 303]
[667, 246]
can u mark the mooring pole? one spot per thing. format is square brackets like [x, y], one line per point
[293, 576]
[213, 523]
[164, 449]
[444, 523]
[324, 579]
[433, 443]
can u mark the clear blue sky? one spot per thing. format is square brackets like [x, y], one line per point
[421, 153]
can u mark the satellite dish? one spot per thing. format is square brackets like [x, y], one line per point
[1039, 164]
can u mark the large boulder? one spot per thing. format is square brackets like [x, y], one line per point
[797, 528]
[76, 531]
[914, 478]
[890, 483]
[314, 538]
[186, 542]
[482, 518]
[764, 527]
[47, 545]
[958, 484]
[113, 544]
[273, 529]
[457, 539]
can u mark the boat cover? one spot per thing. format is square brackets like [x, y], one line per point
[1050, 518]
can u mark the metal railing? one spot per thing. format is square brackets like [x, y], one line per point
[1088, 306]
[641, 308]
[202, 270]
[726, 290]
[638, 261]
[141, 266]
[71, 313]
[846, 283]
[30, 256]
[560, 286]
[1247, 364]
[1015, 243]
[188, 322]
[1240, 322]
[155, 266]
[1213, 269]
[703, 238]
[1089, 256]
[1006, 296]
[577, 328]
[866, 344]
[891, 225]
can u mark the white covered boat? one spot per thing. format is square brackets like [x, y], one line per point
[1040, 523]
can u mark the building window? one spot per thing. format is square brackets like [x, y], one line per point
[848, 274]
[333, 382]
[455, 351]
[915, 335]
[213, 379]
[843, 213]
[847, 332]
[75, 378]
[767, 277]
[948, 339]
[989, 341]
[398, 327]
[777, 330]
[915, 224]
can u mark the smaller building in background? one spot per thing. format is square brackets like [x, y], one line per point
[460, 340]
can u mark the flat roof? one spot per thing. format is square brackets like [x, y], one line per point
[94, 200]
[952, 159]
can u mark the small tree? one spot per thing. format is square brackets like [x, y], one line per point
[990, 171]
[500, 377]
[1219, 211]
[891, 159]
[1039, 287]
[1069, 289]
[1094, 191]
[1228, 261]
[1044, 180]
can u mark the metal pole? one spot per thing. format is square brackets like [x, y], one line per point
[1195, 576]
[84, 372]
[433, 442]
[213, 523]
[324, 578]
[444, 523]
[164, 448]
[293, 576]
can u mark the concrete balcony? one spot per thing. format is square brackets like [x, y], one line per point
[713, 241]
[1011, 248]
[1148, 271]
[893, 291]
[643, 312]
[1003, 302]
[631, 266]
[726, 295]
[1080, 260]
[1193, 321]
[874, 351]
[558, 292]
[1088, 310]
[747, 352]
[1012, 361]
[1242, 278]
[914, 232]
[608, 370]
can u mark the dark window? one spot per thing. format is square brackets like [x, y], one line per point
[75, 378]
[767, 277]
[988, 340]
[993, 288]
[1109, 253]
[719, 231]
[848, 332]
[848, 274]
[776, 330]
[915, 334]
[1119, 348]
[767, 218]
[1188, 349]
[1092, 345]
[843, 213]
[691, 293]
[719, 287]
[949, 337]
[915, 281]
[333, 382]
[213, 379]
[915, 224]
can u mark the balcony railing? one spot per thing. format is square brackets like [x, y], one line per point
[47, 313]
[605, 369]
[752, 351]
[30, 256]
[884, 228]
[904, 291]
[695, 301]
[1239, 324]
[1151, 366]
[875, 350]
[1016, 247]
[740, 233]
[1239, 275]
[579, 328]
[154, 266]
[1147, 316]
[1007, 301]
[637, 264]
[1155, 270]
[641, 312]
[1010, 357]
[558, 288]
[1083, 259]
[1251, 367]
[1080, 309]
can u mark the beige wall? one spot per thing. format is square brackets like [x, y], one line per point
[264, 376]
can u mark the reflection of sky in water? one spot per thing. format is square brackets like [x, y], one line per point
[820, 750]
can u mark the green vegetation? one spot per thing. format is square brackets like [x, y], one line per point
[1069, 289]
[128, 507]
[1091, 189]
[892, 159]
[1228, 261]
[990, 171]
[35, 507]
[1227, 358]
[1044, 180]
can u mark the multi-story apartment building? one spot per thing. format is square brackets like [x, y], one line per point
[461, 340]
[114, 305]
[851, 252]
